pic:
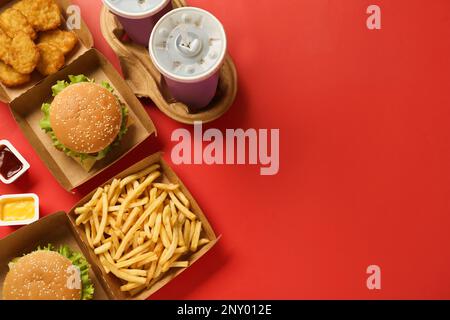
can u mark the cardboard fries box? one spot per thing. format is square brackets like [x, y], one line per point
[85, 43]
[27, 111]
[61, 229]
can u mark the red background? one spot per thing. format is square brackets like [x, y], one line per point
[365, 152]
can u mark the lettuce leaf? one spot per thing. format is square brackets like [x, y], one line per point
[62, 84]
[107, 86]
[78, 260]
[46, 125]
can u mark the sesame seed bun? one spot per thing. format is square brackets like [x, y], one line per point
[41, 275]
[86, 117]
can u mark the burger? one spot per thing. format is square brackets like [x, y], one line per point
[49, 274]
[85, 120]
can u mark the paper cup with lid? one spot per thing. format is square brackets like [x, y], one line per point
[188, 46]
[138, 17]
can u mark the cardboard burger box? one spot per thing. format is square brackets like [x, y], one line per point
[26, 101]
[60, 228]
[26, 109]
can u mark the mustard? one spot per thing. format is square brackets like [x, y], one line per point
[17, 209]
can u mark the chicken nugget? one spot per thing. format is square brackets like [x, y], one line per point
[23, 55]
[43, 15]
[10, 77]
[12, 21]
[64, 40]
[52, 59]
[5, 44]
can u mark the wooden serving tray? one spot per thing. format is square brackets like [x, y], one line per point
[146, 81]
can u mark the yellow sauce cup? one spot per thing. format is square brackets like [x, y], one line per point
[18, 209]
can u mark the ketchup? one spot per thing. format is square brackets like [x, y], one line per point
[9, 164]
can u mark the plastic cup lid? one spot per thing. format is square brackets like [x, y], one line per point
[188, 45]
[135, 9]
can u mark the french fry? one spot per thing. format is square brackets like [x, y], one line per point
[181, 250]
[192, 231]
[164, 238]
[153, 194]
[180, 195]
[147, 261]
[123, 275]
[141, 239]
[87, 230]
[83, 218]
[96, 211]
[103, 248]
[104, 219]
[166, 221]
[136, 291]
[138, 203]
[166, 266]
[157, 272]
[147, 231]
[94, 198]
[129, 188]
[187, 232]
[196, 236]
[203, 241]
[139, 175]
[93, 232]
[136, 272]
[151, 272]
[135, 240]
[112, 189]
[136, 259]
[111, 220]
[103, 262]
[166, 186]
[180, 264]
[157, 228]
[108, 257]
[119, 233]
[82, 210]
[173, 209]
[182, 207]
[131, 218]
[136, 251]
[152, 219]
[115, 240]
[170, 250]
[115, 197]
[181, 218]
[180, 236]
[131, 286]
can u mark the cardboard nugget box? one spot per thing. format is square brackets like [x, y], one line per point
[85, 42]
[61, 229]
[27, 111]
